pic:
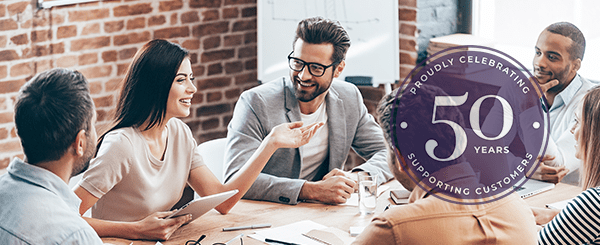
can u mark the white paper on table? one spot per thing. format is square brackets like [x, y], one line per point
[381, 189]
[559, 205]
[329, 235]
[291, 233]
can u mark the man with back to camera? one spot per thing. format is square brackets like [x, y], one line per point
[54, 117]
[427, 219]
[310, 94]
[558, 54]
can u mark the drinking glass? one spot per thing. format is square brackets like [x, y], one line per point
[367, 193]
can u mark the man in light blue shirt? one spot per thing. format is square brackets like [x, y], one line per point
[558, 54]
[54, 117]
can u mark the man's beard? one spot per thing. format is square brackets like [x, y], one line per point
[304, 96]
[562, 80]
[83, 163]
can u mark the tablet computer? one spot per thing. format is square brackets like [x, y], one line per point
[200, 206]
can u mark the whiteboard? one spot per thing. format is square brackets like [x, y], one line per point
[371, 24]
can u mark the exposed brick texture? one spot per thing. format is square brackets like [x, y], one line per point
[205, 3]
[90, 43]
[113, 26]
[85, 15]
[17, 8]
[136, 23]
[132, 9]
[190, 17]
[210, 28]
[86, 59]
[172, 32]
[3, 74]
[209, 15]
[66, 31]
[131, 38]
[91, 29]
[157, 20]
[8, 24]
[100, 39]
[20, 39]
[170, 5]
[109, 56]
[3, 41]
[407, 14]
[8, 55]
[408, 11]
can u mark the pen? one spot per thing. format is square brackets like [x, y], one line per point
[235, 238]
[280, 242]
[247, 227]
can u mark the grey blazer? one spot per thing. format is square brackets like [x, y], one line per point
[261, 108]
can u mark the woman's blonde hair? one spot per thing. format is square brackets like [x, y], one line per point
[589, 140]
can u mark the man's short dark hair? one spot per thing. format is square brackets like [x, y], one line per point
[571, 31]
[50, 111]
[318, 30]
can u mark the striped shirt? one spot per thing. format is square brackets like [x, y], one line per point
[578, 223]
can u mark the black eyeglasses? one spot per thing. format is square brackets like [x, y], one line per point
[197, 242]
[315, 69]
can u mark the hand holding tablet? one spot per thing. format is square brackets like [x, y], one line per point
[200, 206]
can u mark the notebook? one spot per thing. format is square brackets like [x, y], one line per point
[532, 187]
[559, 205]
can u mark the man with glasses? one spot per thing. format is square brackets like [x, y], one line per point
[310, 94]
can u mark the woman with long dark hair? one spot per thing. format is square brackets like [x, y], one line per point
[579, 221]
[145, 160]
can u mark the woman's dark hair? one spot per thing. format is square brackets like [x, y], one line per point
[146, 86]
[50, 111]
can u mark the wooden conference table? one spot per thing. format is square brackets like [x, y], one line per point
[343, 217]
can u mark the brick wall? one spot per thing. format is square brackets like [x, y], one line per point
[99, 39]
[407, 13]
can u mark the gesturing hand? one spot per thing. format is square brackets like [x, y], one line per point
[293, 135]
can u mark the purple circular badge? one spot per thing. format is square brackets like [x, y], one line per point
[470, 125]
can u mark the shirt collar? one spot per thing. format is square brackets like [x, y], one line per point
[45, 179]
[568, 93]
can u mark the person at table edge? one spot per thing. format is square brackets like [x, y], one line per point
[427, 219]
